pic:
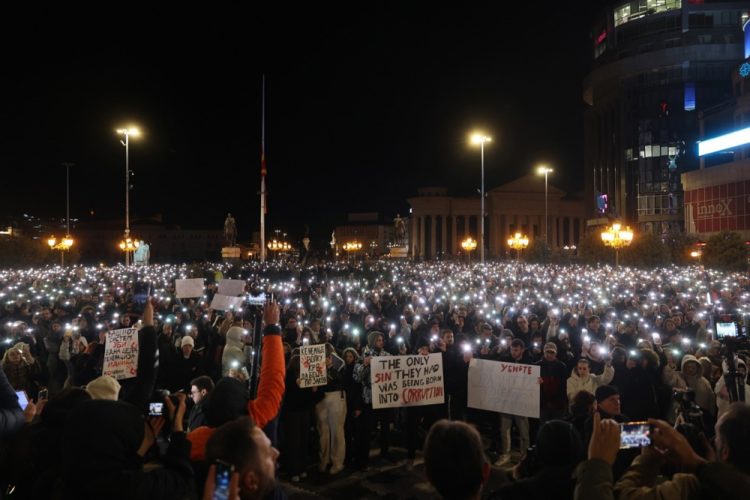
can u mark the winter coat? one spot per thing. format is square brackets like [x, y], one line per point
[362, 373]
[577, 384]
[234, 351]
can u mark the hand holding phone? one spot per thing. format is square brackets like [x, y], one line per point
[222, 479]
[43, 394]
[635, 435]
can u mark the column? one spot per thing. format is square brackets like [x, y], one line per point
[454, 243]
[433, 235]
[443, 234]
[413, 237]
[571, 221]
[494, 228]
[421, 236]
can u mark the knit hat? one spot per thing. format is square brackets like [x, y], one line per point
[372, 337]
[550, 346]
[422, 342]
[187, 340]
[605, 391]
[104, 387]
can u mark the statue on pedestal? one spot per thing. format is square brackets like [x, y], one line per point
[230, 230]
[399, 226]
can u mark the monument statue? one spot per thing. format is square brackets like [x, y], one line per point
[230, 230]
[399, 226]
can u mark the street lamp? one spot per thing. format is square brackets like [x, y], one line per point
[518, 242]
[127, 132]
[63, 245]
[544, 170]
[469, 245]
[129, 245]
[617, 237]
[352, 247]
[479, 138]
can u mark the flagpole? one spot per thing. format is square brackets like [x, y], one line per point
[263, 173]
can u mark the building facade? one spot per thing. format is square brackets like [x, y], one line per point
[656, 65]
[438, 222]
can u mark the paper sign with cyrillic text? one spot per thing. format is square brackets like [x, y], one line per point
[121, 354]
[312, 365]
[226, 303]
[511, 388]
[407, 381]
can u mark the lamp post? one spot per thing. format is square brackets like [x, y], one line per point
[469, 245]
[617, 237]
[480, 139]
[128, 245]
[544, 170]
[518, 242]
[352, 247]
[127, 132]
[63, 245]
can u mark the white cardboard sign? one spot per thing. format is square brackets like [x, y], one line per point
[188, 289]
[511, 388]
[414, 380]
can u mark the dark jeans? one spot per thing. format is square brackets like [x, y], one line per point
[370, 419]
[296, 426]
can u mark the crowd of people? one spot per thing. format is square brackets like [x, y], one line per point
[614, 345]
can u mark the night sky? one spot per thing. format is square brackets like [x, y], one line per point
[363, 107]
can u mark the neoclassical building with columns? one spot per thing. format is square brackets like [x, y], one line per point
[438, 222]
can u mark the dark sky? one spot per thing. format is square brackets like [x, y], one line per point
[363, 107]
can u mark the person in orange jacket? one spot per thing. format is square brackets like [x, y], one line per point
[264, 407]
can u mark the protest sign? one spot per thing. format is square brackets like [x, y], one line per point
[226, 303]
[511, 388]
[187, 289]
[312, 369]
[121, 354]
[407, 380]
[231, 287]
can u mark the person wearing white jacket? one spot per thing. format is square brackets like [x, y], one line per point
[581, 379]
[236, 354]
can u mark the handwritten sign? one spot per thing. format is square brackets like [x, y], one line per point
[188, 289]
[407, 381]
[225, 303]
[312, 365]
[511, 388]
[121, 354]
[231, 287]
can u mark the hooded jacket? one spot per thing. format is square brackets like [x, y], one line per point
[704, 395]
[234, 350]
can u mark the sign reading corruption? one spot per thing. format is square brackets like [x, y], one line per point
[407, 381]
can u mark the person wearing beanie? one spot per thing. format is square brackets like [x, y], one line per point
[369, 416]
[553, 375]
[104, 387]
[187, 365]
[608, 407]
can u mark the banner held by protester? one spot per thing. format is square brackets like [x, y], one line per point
[511, 388]
[312, 359]
[407, 381]
[121, 354]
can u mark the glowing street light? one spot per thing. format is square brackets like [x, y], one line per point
[480, 139]
[469, 245]
[352, 246]
[617, 237]
[128, 245]
[544, 170]
[63, 245]
[518, 242]
[127, 132]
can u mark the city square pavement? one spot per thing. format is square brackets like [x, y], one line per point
[385, 480]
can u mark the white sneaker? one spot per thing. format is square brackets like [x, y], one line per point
[503, 460]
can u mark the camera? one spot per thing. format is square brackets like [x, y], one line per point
[688, 410]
